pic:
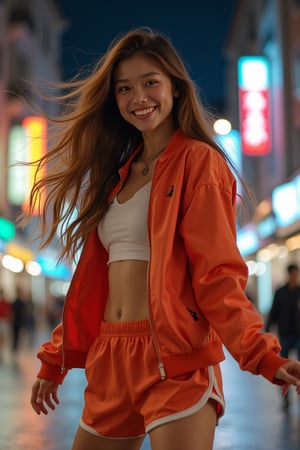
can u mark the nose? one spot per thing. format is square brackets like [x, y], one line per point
[140, 95]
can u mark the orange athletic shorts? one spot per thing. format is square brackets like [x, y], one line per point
[125, 395]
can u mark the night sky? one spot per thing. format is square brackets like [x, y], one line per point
[199, 33]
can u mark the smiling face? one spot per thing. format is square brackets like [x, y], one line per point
[145, 95]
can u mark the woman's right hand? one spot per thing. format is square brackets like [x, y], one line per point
[43, 395]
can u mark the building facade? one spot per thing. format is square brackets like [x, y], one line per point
[264, 106]
[30, 61]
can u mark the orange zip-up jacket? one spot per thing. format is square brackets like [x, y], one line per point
[196, 276]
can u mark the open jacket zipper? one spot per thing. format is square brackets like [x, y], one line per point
[161, 367]
[63, 365]
[154, 338]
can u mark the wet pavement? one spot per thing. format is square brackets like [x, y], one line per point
[254, 418]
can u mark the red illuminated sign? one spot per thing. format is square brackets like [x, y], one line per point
[254, 106]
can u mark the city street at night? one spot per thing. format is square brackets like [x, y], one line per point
[150, 195]
[254, 418]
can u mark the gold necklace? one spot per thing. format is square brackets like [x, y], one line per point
[148, 161]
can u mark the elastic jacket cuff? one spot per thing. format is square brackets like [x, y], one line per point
[52, 373]
[269, 365]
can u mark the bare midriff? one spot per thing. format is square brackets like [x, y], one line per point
[128, 293]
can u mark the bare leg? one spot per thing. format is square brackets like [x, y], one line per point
[88, 441]
[195, 432]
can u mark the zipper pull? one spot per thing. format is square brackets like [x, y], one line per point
[162, 371]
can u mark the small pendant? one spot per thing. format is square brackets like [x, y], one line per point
[145, 170]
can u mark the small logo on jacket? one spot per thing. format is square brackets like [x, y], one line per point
[171, 191]
[193, 314]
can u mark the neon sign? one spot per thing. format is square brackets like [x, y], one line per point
[26, 142]
[36, 132]
[286, 202]
[254, 96]
[17, 174]
[231, 144]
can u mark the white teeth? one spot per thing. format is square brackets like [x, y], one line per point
[142, 112]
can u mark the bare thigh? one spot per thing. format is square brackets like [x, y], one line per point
[195, 432]
[88, 441]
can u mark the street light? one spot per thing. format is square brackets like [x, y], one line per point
[222, 126]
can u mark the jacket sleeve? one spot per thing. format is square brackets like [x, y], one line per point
[50, 354]
[219, 276]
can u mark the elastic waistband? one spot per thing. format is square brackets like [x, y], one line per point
[125, 328]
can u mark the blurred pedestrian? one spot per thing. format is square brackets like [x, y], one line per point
[160, 283]
[30, 319]
[5, 317]
[285, 315]
[54, 309]
[18, 318]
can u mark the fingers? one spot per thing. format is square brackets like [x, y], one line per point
[34, 397]
[290, 373]
[51, 399]
[285, 389]
[44, 396]
[55, 397]
[40, 403]
[287, 386]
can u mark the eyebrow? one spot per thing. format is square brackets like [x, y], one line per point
[144, 75]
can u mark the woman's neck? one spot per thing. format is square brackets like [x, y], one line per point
[154, 142]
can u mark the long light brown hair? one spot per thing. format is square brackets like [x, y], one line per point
[93, 140]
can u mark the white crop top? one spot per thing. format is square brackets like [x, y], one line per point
[124, 229]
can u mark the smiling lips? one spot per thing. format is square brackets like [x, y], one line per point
[144, 112]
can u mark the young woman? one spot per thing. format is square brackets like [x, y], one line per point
[159, 286]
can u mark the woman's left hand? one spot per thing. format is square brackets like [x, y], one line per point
[290, 374]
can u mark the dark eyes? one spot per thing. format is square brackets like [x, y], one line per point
[151, 82]
[148, 83]
[123, 89]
